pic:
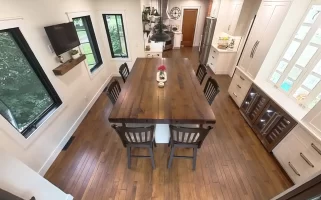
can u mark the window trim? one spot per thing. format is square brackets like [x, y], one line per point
[124, 21]
[92, 41]
[36, 67]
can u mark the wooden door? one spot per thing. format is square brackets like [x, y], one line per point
[189, 24]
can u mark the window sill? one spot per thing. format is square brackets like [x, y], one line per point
[26, 142]
[96, 71]
[121, 59]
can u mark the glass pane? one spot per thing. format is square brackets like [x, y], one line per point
[315, 101]
[83, 37]
[23, 97]
[317, 37]
[286, 85]
[317, 68]
[275, 77]
[291, 50]
[300, 94]
[313, 14]
[86, 48]
[282, 66]
[302, 32]
[306, 55]
[90, 60]
[295, 73]
[116, 32]
[311, 81]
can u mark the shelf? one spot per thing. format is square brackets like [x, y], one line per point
[67, 66]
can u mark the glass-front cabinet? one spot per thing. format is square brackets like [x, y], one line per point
[269, 122]
[273, 125]
[254, 103]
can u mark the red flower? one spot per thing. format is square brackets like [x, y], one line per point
[161, 68]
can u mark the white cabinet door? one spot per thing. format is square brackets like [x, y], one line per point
[236, 8]
[274, 15]
[267, 23]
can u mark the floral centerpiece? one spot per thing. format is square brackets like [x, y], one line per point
[161, 70]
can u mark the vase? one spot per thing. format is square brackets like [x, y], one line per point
[75, 56]
[161, 76]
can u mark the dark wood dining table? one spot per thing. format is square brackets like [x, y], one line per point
[181, 101]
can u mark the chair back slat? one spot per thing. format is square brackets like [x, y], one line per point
[124, 71]
[211, 90]
[113, 91]
[201, 73]
[129, 135]
[188, 135]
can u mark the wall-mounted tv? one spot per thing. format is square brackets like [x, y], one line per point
[63, 37]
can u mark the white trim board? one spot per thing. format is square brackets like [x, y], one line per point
[73, 128]
[197, 18]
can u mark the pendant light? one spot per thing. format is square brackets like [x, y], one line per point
[159, 34]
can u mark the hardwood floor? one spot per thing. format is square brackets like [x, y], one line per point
[232, 164]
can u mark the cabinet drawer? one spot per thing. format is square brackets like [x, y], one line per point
[236, 96]
[242, 80]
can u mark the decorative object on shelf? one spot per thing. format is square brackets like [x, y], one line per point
[175, 13]
[60, 59]
[74, 53]
[161, 76]
[147, 48]
[222, 42]
[67, 66]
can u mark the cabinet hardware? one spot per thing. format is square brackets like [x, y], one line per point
[242, 78]
[306, 159]
[252, 50]
[293, 168]
[212, 56]
[316, 148]
[252, 103]
[235, 94]
[239, 86]
[229, 26]
[257, 44]
[211, 63]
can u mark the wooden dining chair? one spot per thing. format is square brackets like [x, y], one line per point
[137, 137]
[186, 138]
[211, 89]
[201, 73]
[124, 71]
[113, 91]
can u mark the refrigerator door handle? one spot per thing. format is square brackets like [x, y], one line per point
[258, 42]
[251, 55]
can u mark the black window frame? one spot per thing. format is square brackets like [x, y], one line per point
[109, 38]
[36, 67]
[92, 41]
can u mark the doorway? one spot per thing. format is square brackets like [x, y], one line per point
[189, 26]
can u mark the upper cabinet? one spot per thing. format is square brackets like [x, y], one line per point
[233, 17]
[267, 23]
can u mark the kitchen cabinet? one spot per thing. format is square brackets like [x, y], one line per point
[239, 87]
[299, 153]
[221, 61]
[178, 36]
[267, 23]
[233, 17]
[269, 122]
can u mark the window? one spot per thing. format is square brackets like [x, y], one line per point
[88, 42]
[116, 35]
[27, 97]
[298, 72]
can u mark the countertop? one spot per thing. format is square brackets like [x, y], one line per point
[155, 47]
[224, 50]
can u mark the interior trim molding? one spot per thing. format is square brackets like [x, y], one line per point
[73, 128]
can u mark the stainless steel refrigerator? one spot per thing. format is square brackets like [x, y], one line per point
[207, 37]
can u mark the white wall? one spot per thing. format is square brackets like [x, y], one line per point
[202, 4]
[18, 179]
[77, 89]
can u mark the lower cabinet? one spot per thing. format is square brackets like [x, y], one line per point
[299, 153]
[269, 122]
[239, 87]
[153, 54]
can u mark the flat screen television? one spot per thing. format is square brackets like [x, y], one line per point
[63, 37]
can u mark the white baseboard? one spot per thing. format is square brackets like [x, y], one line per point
[73, 128]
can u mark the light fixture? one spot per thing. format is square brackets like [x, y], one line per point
[159, 35]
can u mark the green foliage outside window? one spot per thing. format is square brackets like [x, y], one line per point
[22, 95]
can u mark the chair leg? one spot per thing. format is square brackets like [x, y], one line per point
[155, 143]
[194, 157]
[128, 156]
[171, 157]
[169, 143]
[152, 157]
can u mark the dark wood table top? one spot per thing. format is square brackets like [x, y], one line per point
[181, 101]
